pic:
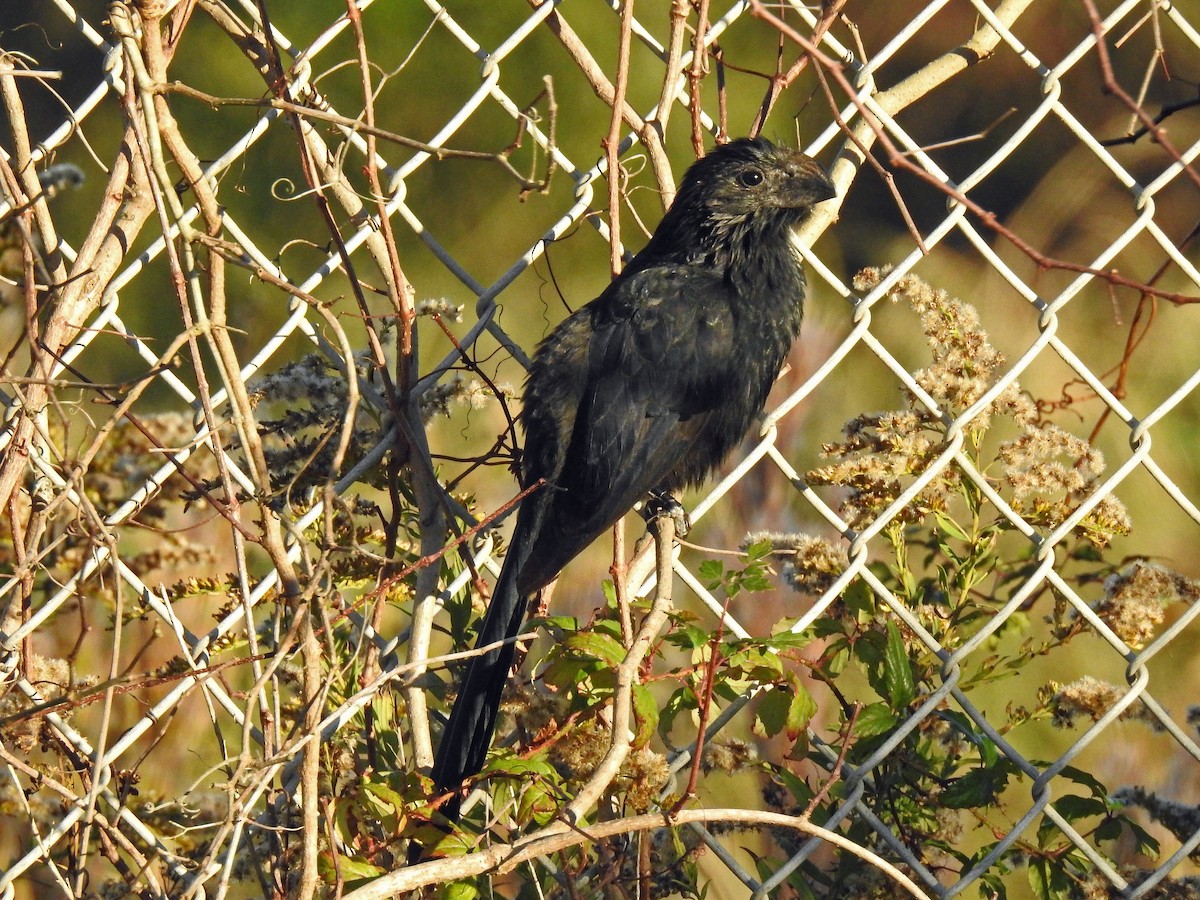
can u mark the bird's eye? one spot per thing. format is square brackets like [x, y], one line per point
[751, 177]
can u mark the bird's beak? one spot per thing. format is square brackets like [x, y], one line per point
[823, 187]
[808, 183]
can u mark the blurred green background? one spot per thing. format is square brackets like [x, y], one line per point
[1051, 190]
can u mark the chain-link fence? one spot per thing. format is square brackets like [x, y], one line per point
[235, 390]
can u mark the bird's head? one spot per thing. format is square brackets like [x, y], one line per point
[751, 175]
[746, 190]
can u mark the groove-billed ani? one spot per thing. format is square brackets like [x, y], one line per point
[646, 389]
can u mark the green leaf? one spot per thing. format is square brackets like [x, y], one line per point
[773, 712]
[350, 868]
[538, 802]
[979, 787]
[682, 700]
[1073, 808]
[383, 797]
[897, 669]
[990, 753]
[645, 716]
[795, 785]
[1147, 844]
[440, 843]
[782, 635]
[878, 718]
[1049, 835]
[604, 682]
[756, 663]
[565, 673]
[837, 654]
[1085, 779]
[597, 646]
[995, 888]
[729, 689]
[712, 573]
[688, 637]
[459, 890]
[530, 782]
[754, 581]
[825, 627]
[1108, 830]
[506, 763]
[1049, 880]
[800, 712]
[859, 598]
[759, 550]
[611, 627]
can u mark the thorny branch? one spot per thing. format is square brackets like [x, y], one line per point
[501, 158]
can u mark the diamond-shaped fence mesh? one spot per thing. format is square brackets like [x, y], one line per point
[236, 389]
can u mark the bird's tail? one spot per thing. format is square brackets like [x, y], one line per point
[468, 734]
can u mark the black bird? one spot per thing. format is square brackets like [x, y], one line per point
[646, 390]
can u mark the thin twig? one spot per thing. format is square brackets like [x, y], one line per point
[504, 858]
[647, 132]
[835, 773]
[696, 73]
[781, 81]
[1110, 85]
[704, 696]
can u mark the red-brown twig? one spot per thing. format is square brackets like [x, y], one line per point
[780, 81]
[705, 703]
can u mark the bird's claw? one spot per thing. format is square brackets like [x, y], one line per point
[659, 506]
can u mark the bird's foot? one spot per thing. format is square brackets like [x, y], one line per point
[659, 505]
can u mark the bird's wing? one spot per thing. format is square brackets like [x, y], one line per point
[658, 363]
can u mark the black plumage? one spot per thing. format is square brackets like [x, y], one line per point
[646, 389]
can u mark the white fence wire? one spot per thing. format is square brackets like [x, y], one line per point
[1135, 204]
